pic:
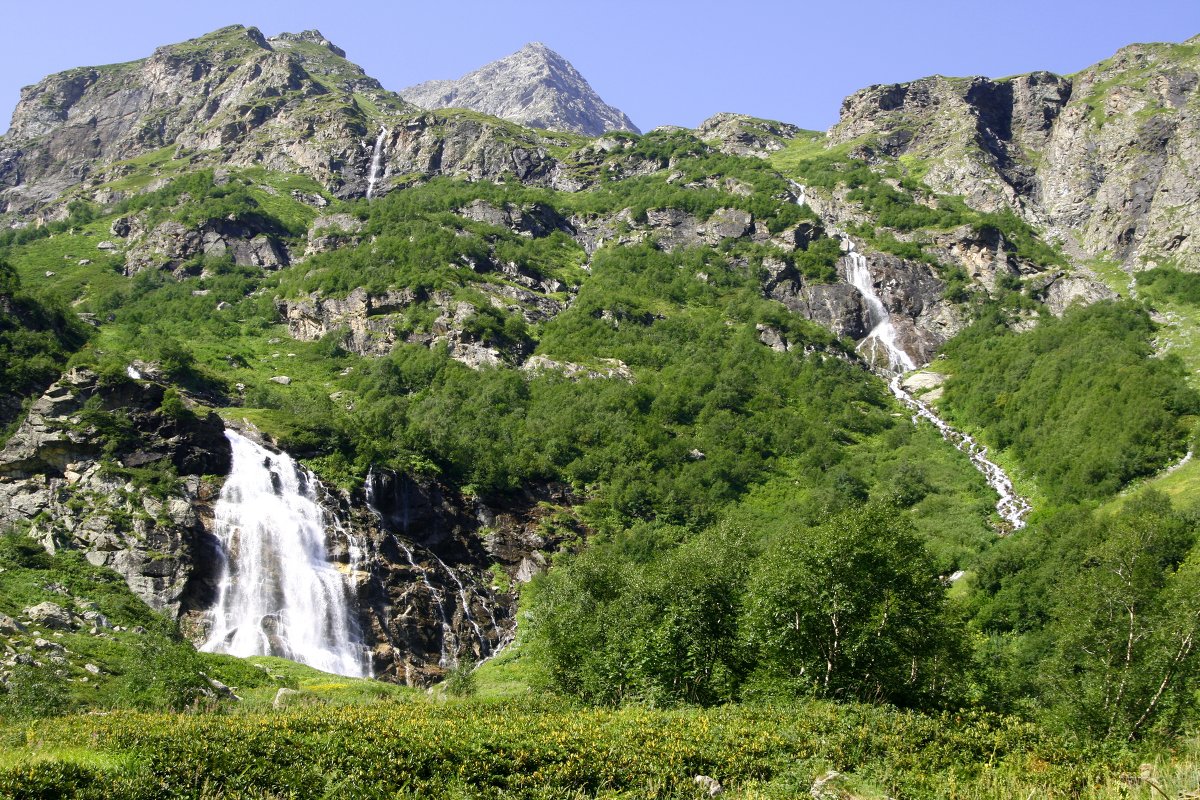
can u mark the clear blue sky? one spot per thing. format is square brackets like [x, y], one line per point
[661, 62]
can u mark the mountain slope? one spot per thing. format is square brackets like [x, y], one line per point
[534, 86]
[648, 364]
[1107, 160]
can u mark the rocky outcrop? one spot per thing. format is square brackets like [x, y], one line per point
[460, 146]
[292, 103]
[537, 219]
[1106, 160]
[436, 571]
[911, 292]
[605, 368]
[374, 324]
[438, 585]
[232, 94]
[332, 232]
[669, 229]
[740, 135]
[534, 87]
[75, 475]
[181, 250]
[367, 322]
[1060, 291]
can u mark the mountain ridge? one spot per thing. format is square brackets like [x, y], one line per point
[535, 86]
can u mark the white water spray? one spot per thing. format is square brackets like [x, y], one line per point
[279, 594]
[1011, 507]
[882, 332]
[376, 162]
[801, 193]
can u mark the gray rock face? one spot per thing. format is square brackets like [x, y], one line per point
[50, 615]
[1106, 160]
[55, 483]
[444, 144]
[910, 291]
[534, 87]
[235, 98]
[432, 594]
[174, 247]
[740, 135]
[226, 92]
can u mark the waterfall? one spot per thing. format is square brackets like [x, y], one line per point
[801, 193]
[279, 594]
[1011, 507]
[376, 162]
[882, 332]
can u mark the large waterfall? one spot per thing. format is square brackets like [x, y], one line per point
[279, 595]
[1011, 507]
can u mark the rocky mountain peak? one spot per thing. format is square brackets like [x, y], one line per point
[312, 36]
[534, 86]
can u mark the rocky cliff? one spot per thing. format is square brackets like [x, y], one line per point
[534, 87]
[119, 471]
[291, 103]
[124, 472]
[1105, 160]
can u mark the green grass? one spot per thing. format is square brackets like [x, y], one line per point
[809, 145]
[61, 254]
[503, 676]
[549, 749]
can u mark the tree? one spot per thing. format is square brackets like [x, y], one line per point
[610, 628]
[853, 609]
[1125, 625]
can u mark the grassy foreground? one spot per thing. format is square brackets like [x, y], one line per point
[405, 747]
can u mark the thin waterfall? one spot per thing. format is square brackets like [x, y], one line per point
[376, 162]
[882, 332]
[1011, 507]
[279, 593]
[801, 193]
[465, 599]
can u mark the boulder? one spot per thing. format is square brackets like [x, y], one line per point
[50, 615]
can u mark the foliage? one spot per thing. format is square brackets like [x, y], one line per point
[1125, 626]
[461, 680]
[545, 749]
[147, 665]
[1096, 616]
[852, 608]
[1080, 400]
[1171, 284]
[844, 609]
[896, 201]
[36, 338]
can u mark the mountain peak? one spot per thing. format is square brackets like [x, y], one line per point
[535, 86]
[312, 36]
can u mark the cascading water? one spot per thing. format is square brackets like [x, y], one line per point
[376, 162]
[882, 332]
[450, 642]
[1011, 507]
[279, 594]
[801, 193]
